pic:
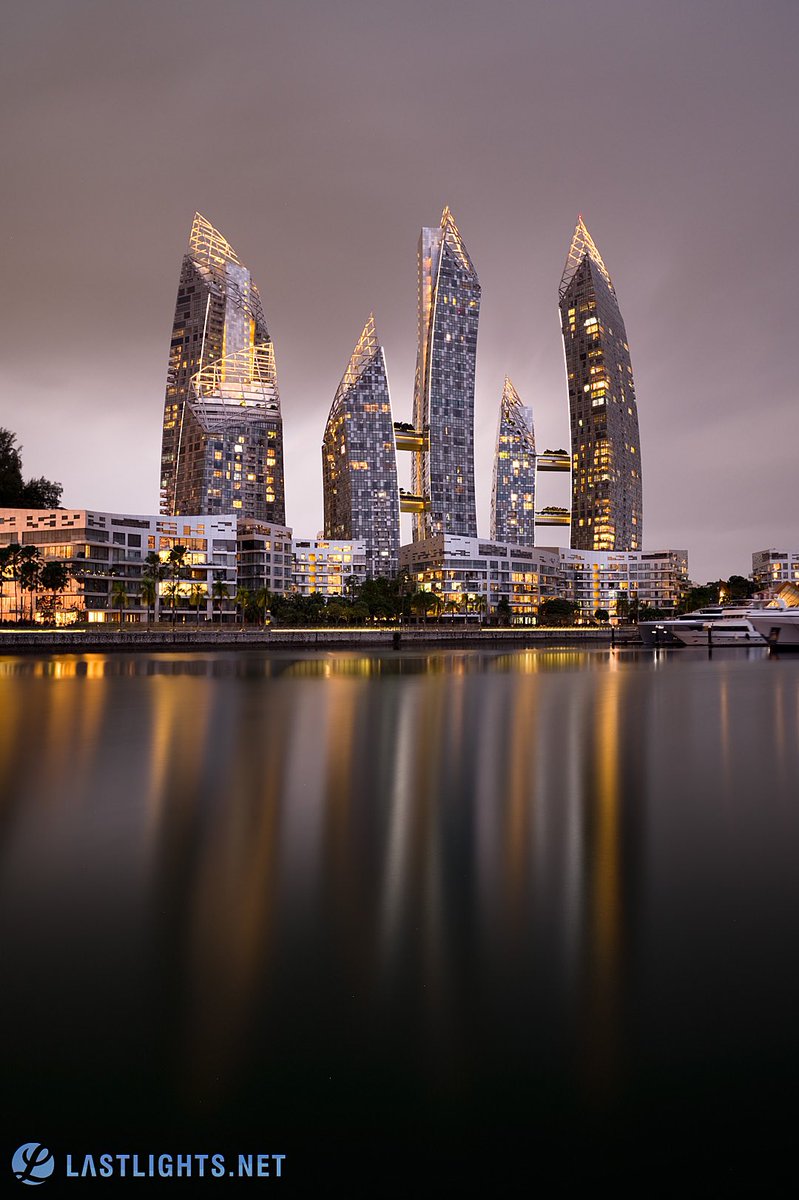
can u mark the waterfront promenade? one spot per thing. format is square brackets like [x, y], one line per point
[185, 637]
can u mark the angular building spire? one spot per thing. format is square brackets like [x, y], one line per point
[582, 244]
[607, 510]
[222, 445]
[359, 463]
[443, 407]
[513, 491]
[207, 246]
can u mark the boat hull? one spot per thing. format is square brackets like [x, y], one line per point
[779, 628]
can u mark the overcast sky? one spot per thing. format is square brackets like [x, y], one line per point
[320, 135]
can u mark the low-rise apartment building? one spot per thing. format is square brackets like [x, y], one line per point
[773, 568]
[325, 565]
[105, 556]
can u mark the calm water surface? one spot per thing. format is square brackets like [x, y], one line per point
[453, 916]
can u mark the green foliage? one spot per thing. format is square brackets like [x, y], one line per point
[14, 491]
[648, 612]
[557, 611]
[734, 590]
[602, 615]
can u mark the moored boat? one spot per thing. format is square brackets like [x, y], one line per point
[779, 626]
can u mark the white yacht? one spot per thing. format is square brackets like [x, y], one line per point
[729, 624]
[725, 630]
[779, 626]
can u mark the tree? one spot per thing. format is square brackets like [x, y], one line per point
[634, 607]
[11, 484]
[243, 602]
[602, 615]
[30, 566]
[262, 601]
[557, 611]
[172, 592]
[153, 573]
[622, 607]
[648, 612]
[41, 493]
[196, 597]
[219, 592]
[119, 597]
[54, 578]
[9, 570]
[148, 594]
[503, 610]
[176, 560]
[422, 602]
[14, 491]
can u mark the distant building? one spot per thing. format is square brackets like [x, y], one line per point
[595, 579]
[326, 565]
[457, 568]
[264, 557]
[607, 512]
[475, 575]
[773, 568]
[448, 313]
[106, 549]
[513, 491]
[222, 446]
[359, 462]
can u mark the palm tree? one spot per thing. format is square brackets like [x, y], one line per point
[422, 602]
[153, 573]
[262, 601]
[119, 597]
[243, 602]
[172, 591]
[13, 566]
[219, 591]
[196, 597]
[29, 571]
[452, 607]
[5, 567]
[177, 561]
[480, 605]
[148, 593]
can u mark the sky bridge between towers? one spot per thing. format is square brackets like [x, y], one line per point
[408, 438]
[553, 460]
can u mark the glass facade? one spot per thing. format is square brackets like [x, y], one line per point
[222, 447]
[513, 491]
[607, 510]
[359, 464]
[449, 309]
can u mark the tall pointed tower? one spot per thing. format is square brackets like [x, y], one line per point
[222, 446]
[513, 491]
[443, 409]
[607, 510]
[359, 461]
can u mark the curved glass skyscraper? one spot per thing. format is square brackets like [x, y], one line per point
[222, 446]
[513, 491]
[449, 309]
[607, 511]
[359, 463]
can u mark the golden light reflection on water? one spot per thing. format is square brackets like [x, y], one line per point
[443, 824]
[604, 949]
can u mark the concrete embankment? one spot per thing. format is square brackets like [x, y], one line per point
[203, 638]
